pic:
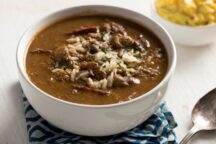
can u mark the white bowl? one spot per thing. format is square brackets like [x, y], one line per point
[186, 35]
[94, 120]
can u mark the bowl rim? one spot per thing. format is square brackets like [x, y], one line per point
[200, 27]
[166, 78]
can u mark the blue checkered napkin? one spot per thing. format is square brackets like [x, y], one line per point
[158, 129]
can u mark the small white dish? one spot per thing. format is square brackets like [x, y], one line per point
[186, 35]
[95, 120]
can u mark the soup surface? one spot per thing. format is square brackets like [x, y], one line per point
[96, 60]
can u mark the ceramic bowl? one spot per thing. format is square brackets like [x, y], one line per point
[94, 120]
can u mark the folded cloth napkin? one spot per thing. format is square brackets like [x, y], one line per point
[158, 129]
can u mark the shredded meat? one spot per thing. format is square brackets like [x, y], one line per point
[94, 49]
[83, 30]
[120, 41]
[99, 74]
[106, 27]
[93, 66]
[99, 91]
[114, 27]
[120, 81]
[127, 40]
[61, 54]
[124, 81]
[141, 43]
[117, 28]
[62, 75]
[115, 40]
[133, 80]
[95, 35]
[88, 65]
[42, 51]
[148, 71]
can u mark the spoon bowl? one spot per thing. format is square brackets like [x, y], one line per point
[204, 112]
[203, 115]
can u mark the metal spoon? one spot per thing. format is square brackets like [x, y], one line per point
[203, 115]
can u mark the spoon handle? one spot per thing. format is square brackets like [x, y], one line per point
[192, 131]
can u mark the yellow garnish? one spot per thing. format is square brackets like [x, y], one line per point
[187, 12]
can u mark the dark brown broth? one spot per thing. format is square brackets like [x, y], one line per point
[38, 65]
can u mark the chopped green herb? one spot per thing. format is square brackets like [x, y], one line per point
[91, 57]
[106, 49]
[138, 56]
[103, 32]
[103, 65]
[128, 48]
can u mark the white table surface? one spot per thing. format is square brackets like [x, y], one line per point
[194, 76]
